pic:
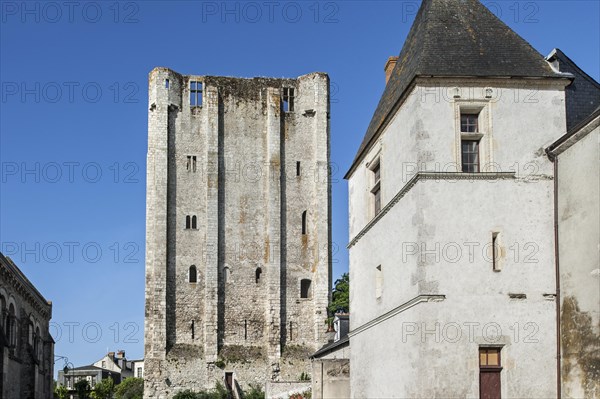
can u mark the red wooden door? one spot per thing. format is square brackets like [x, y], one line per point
[489, 384]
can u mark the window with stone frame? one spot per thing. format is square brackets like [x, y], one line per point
[469, 155]
[287, 102]
[469, 122]
[195, 94]
[191, 163]
[470, 138]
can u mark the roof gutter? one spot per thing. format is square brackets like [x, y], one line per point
[554, 159]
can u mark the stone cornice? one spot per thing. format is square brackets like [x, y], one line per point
[15, 278]
[428, 176]
[398, 309]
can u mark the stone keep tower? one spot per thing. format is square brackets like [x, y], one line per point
[238, 238]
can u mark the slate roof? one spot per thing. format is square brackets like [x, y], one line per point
[455, 38]
[331, 346]
[582, 95]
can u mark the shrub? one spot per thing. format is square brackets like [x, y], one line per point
[255, 392]
[219, 392]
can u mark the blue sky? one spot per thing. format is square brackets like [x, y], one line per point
[73, 123]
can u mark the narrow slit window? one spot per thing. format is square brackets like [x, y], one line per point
[194, 222]
[305, 288]
[167, 83]
[288, 99]
[196, 94]
[193, 274]
[304, 222]
[297, 168]
[378, 282]
[495, 252]
[193, 329]
[188, 164]
[188, 222]
[193, 163]
[257, 274]
[245, 329]
[225, 274]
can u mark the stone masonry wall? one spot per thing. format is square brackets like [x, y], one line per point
[247, 172]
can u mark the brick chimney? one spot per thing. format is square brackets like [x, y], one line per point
[389, 67]
[111, 355]
[120, 354]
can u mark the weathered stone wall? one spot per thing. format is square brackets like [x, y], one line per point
[27, 353]
[578, 237]
[331, 377]
[247, 246]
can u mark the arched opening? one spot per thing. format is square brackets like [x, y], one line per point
[257, 273]
[188, 223]
[305, 288]
[193, 274]
[304, 222]
[194, 224]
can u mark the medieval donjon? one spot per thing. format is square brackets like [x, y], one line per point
[237, 229]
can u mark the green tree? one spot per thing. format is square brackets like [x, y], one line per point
[82, 387]
[104, 389]
[61, 391]
[130, 388]
[340, 297]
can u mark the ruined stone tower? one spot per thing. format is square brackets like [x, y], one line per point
[237, 229]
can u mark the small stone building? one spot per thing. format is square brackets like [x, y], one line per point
[26, 347]
[237, 229]
[331, 363]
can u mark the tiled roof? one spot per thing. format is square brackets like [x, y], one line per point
[455, 38]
